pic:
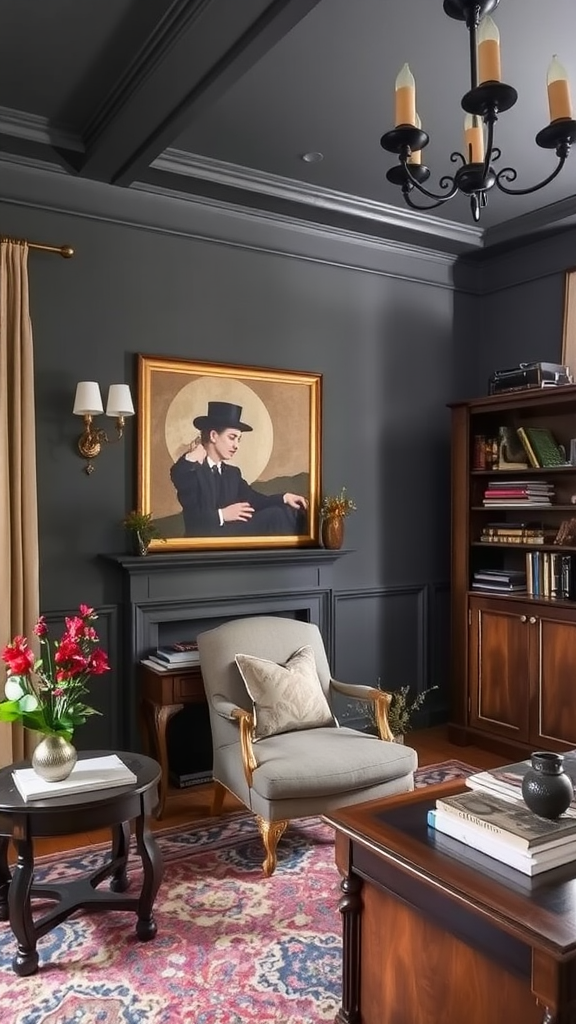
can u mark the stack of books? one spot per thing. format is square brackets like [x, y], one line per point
[518, 493]
[183, 654]
[492, 819]
[503, 581]
[516, 533]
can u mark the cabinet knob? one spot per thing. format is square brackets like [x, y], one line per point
[532, 619]
[523, 618]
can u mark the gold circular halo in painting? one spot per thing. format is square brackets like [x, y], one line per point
[192, 400]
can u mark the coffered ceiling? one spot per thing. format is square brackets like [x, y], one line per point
[221, 99]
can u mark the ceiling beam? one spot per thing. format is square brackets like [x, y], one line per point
[199, 49]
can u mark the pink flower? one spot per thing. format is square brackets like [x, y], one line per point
[86, 612]
[18, 656]
[41, 629]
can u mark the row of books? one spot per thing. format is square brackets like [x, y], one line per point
[517, 493]
[492, 818]
[183, 654]
[549, 574]
[518, 448]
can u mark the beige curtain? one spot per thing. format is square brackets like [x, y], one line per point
[19, 572]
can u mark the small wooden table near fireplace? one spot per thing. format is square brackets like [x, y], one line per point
[24, 821]
[434, 931]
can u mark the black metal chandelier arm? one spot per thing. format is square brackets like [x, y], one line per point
[509, 174]
[438, 200]
[415, 206]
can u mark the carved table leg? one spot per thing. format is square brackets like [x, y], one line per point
[162, 715]
[153, 870]
[5, 877]
[120, 848]
[26, 960]
[350, 907]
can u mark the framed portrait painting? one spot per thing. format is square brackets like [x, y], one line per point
[228, 456]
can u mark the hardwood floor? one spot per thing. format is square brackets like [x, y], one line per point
[193, 804]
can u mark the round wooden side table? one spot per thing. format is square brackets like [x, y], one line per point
[24, 821]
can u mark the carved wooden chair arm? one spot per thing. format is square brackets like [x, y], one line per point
[370, 695]
[246, 724]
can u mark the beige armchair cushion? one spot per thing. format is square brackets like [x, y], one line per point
[284, 697]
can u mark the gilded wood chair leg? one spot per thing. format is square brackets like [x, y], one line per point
[271, 832]
[218, 794]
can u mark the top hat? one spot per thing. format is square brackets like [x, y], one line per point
[221, 416]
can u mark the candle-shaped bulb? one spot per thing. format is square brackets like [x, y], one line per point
[559, 100]
[416, 158]
[473, 139]
[405, 97]
[489, 69]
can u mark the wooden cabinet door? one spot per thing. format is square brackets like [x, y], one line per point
[553, 689]
[499, 679]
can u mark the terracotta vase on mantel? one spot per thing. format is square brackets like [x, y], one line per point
[333, 532]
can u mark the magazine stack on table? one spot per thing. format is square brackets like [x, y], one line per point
[506, 830]
[181, 655]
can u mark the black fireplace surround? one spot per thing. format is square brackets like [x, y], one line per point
[168, 597]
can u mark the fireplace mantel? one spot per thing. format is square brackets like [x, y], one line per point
[168, 594]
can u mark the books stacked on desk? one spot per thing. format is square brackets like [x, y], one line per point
[498, 824]
[506, 781]
[503, 581]
[183, 654]
[518, 493]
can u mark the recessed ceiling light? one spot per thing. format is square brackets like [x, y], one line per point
[312, 158]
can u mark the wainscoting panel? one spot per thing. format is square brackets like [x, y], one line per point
[382, 634]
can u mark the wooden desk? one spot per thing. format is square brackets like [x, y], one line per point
[163, 695]
[24, 821]
[434, 931]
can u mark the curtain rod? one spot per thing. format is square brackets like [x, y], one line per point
[66, 251]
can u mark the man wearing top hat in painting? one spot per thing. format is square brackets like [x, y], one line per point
[215, 498]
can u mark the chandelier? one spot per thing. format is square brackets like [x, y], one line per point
[488, 96]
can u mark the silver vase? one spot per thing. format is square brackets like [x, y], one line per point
[54, 758]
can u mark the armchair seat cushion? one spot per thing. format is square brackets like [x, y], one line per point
[325, 762]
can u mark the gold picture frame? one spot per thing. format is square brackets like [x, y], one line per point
[275, 414]
[569, 326]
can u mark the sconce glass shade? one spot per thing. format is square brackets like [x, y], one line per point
[88, 400]
[119, 401]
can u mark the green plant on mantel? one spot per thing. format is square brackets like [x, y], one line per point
[143, 527]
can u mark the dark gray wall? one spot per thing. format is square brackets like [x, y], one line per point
[382, 339]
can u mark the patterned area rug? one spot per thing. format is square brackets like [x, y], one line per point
[232, 946]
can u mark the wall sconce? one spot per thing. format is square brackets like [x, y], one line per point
[88, 403]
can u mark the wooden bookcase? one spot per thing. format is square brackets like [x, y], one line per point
[513, 655]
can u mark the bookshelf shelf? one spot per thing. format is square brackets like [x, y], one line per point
[514, 652]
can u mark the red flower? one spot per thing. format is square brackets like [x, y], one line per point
[41, 629]
[74, 627]
[86, 612]
[18, 656]
[98, 663]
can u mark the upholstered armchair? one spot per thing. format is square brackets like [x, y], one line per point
[277, 744]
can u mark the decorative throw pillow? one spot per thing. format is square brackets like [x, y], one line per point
[284, 697]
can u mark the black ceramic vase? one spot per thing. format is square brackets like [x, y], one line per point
[546, 788]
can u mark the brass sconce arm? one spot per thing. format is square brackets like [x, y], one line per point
[88, 403]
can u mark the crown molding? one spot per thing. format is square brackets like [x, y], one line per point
[17, 124]
[189, 165]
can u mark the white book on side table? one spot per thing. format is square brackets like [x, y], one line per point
[90, 773]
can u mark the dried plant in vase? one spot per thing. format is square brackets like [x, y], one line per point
[333, 511]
